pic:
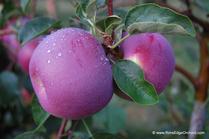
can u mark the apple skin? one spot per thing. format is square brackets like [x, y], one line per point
[154, 55]
[70, 74]
[25, 53]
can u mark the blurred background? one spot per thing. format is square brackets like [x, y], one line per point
[133, 121]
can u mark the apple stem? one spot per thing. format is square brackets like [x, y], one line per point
[110, 7]
[87, 129]
[119, 42]
[62, 128]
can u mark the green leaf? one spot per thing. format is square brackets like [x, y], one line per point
[24, 4]
[29, 135]
[107, 136]
[36, 27]
[39, 115]
[153, 18]
[130, 79]
[109, 23]
[91, 10]
[118, 32]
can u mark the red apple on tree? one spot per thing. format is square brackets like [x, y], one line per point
[154, 55]
[70, 74]
[10, 40]
[25, 53]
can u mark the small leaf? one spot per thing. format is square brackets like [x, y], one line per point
[24, 4]
[109, 23]
[36, 27]
[91, 10]
[39, 115]
[153, 18]
[130, 79]
[118, 32]
[107, 136]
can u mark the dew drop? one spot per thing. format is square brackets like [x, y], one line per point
[59, 54]
[48, 51]
[106, 59]
[48, 61]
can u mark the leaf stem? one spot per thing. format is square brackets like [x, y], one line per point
[87, 129]
[41, 124]
[120, 41]
[62, 128]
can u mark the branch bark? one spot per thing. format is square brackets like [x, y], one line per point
[198, 114]
[197, 119]
[203, 78]
[186, 74]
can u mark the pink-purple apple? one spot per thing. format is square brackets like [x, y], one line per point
[154, 55]
[25, 53]
[70, 74]
[10, 40]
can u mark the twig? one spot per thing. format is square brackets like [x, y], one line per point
[51, 8]
[62, 128]
[186, 74]
[119, 42]
[87, 129]
[203, 77]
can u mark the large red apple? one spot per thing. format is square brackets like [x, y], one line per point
[70, 74]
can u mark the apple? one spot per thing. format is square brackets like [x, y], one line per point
[25, 53]
[71, 74]
[154, 55]
[10, 40]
